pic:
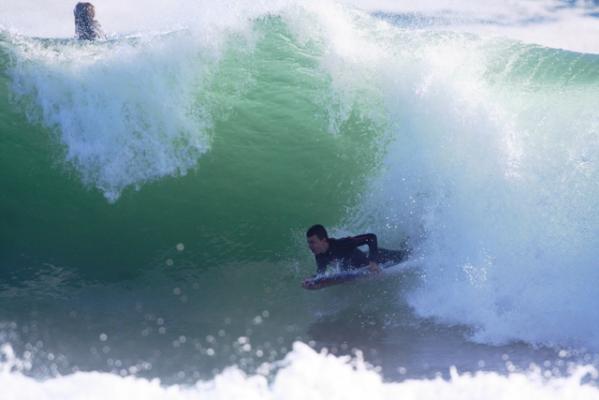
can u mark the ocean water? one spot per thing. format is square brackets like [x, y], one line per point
[156, 188]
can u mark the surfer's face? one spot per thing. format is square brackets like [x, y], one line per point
[316, 245]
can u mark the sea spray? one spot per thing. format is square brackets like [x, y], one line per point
[306, 373]
[126, 112]
[494, 176]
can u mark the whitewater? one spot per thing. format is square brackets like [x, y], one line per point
[157, 187]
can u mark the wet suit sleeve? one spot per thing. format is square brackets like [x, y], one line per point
[321, 264]
[368, 239]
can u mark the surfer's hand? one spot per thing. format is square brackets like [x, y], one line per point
[374, 267]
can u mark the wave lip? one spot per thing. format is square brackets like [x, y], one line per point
[126, 111]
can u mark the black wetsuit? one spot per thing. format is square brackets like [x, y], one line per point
[345, 252]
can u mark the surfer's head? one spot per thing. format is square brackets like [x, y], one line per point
[84, 13]
[84, 21]
[317, 239]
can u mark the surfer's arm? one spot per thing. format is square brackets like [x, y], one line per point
[368, 239]
[321, 265]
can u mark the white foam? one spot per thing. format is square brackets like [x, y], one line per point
[133, 109]
[492, 173]
[125, 111]
[502, 182]
[304, 374]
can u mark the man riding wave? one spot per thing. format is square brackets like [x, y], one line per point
[345, 252]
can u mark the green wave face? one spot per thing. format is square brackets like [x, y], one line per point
[272, 157]
[139, 144]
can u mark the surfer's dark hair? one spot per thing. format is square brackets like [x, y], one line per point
[84, 13]
[86, 27]
[317, 230]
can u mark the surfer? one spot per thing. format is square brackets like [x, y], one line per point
[86, 27]
[346, 253]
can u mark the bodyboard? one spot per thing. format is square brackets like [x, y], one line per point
[322, 281]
